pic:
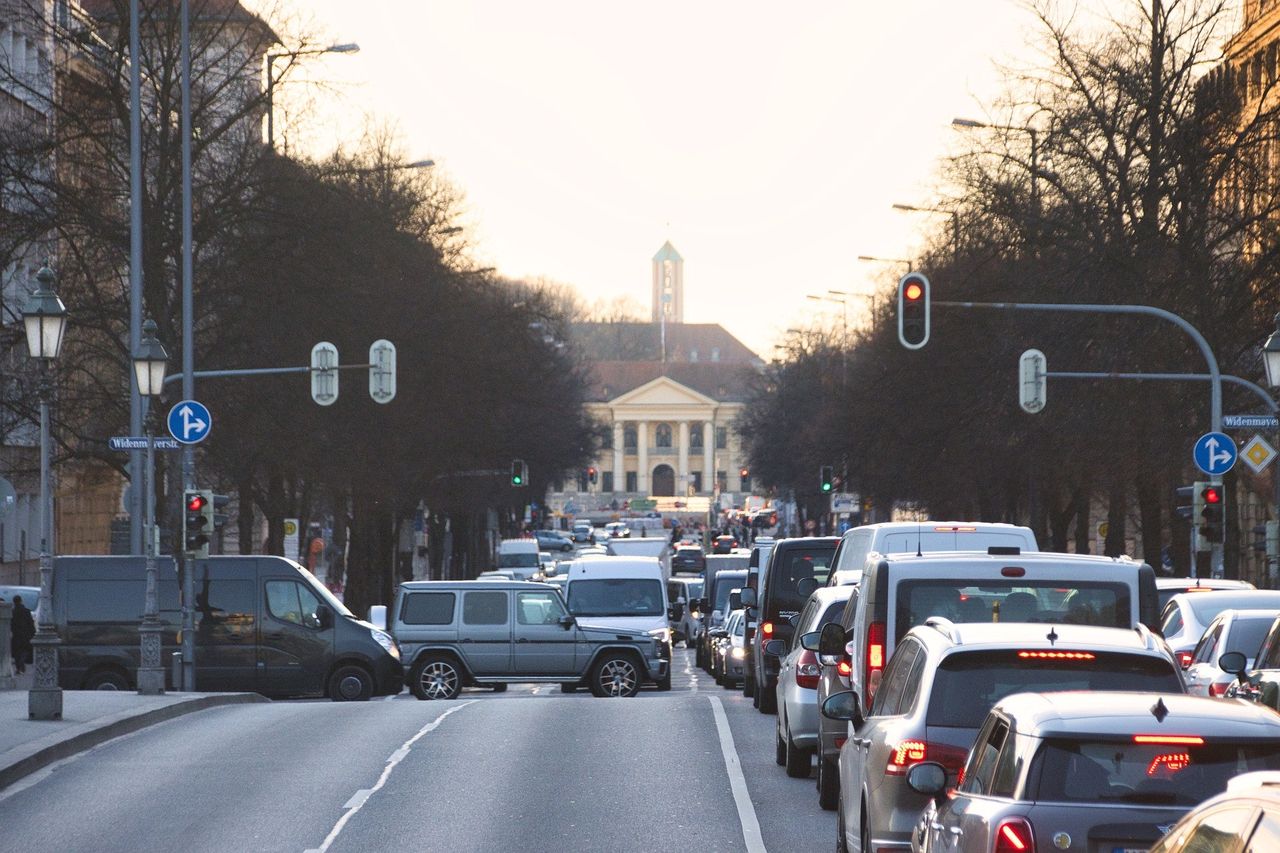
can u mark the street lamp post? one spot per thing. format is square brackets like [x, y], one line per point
[1035, 152]
[872, 259]
[45, 318]
[271, 80]
[149, 364]
[955, 219]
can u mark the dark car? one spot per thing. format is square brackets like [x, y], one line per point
[689, 558]
[724, 544]
[716, 608]
[553, 540]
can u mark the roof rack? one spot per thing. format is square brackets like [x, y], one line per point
[944, 626]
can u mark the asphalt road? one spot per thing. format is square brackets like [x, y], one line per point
[530, 769]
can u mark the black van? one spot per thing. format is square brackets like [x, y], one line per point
[715, 599]
[263, 624]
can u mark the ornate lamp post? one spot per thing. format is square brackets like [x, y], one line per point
[149, 364]
[45, 318]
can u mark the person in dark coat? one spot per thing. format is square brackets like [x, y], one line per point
[21, 630]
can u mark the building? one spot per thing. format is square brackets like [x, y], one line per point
[667, 394]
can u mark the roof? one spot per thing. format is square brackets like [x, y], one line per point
[1026, 558]
[1201, 583]
[988, 635]
[829, 594]
[412, 586]
[667, 253]
[728, 383]
[1109, 714]
[642, 341]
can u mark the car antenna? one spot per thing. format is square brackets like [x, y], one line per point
[1159, 710]
[1052, 636]
[919, 537]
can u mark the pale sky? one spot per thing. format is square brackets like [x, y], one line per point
[767, 141]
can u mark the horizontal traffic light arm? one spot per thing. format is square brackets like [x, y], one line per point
[261, 371]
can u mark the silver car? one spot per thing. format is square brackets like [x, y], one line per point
[938, 687]
[1230, 631]
[1084, 771]
[796, 733]
[1184, 618]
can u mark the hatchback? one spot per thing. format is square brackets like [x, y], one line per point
[1088, 771]
[1246, 818]
[1185, 617]
[1230, 631]
[1169, 587]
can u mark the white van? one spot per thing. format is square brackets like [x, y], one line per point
[621, 592]
[923, 537]
[520, 557]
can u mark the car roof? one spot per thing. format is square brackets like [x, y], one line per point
[912, 526]
[1263, 596]
[827, 594]
[1026, 558]
[1093, 713]
[1202, 583]
[412, 586]
[1237, 613]
[1030, 635]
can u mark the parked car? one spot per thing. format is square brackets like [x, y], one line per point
[1230, 631]
[1169, 587]
[552, 540]
[1246, 818]
[796, 732]
[929, 537]
[1086, 770]
[715, 607]
[688, 558]
[686, 620]
[1187, 615]
[939, 685]
[622, 592]
[262, 624]
[467, 633]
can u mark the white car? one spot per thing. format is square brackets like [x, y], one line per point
[1230, 631]
[1185, 617]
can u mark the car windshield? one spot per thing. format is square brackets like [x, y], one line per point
[726, 584]
[693, 590]
[790, 568]
[1105, 604]
[1121, 771]
[967, 684]
[1206, 605]
[523, 560]
[616, 597]
[325, 595]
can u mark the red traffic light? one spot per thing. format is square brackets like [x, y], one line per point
[913, 291]
[196, 502]
[744, 472]
[1212, 495]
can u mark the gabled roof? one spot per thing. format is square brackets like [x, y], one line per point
[686, 342]
[725, 383]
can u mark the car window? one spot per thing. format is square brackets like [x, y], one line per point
[225, 610]
[1246, 636]
[1267, 836]
[484, 608]
[1269, 654]
[1219, 830]
[894, 680]
[538, 608]
[915, 678]
[726, 584]
[1007, 768]
[290, 601]
[616, 597]
[522, 560]
[1172, 622]
[1204, 648]
[1101, 603]
[1206, 605]
[981, 769]
[428, 608]
[806, 616]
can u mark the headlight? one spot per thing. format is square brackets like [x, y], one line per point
[739, 652]
[384, 639]
[661, 635]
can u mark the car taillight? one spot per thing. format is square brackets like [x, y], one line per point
[807, 670]
[1173, 740]
[1219, 688]
[874, 661]
[845, 667]
[766, 628]
[1013, 835]
[904, 754]
[1184, 658]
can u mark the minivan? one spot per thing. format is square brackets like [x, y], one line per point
[622, 592]
[520, 557]
[922, 537]
[263, 624]
[900, 591]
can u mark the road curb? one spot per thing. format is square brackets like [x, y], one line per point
[22, 761]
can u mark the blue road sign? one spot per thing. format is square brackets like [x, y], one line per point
[1215, 453]
[189, 422]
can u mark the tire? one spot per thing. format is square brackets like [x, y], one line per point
[568, 687]
[615, 675]
[351, 683]
[106, 679]
[568, 546]
[768, 699]
[699, 659]
[779, 748]
[828, 784]
[499, 688]
[436, 677]
[755, 695]
[797, 760]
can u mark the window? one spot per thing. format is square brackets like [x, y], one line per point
[722, 438]
[1269, 654]
[663, 435]
[722, 480]
[715, 353]
[915, 678]
[895, 679]
[428, 608]
[606, 439]
[539, 608]
[695, 436]
[616, 597]
[632, 484]
[1204, 649]
[697, 481]
[225, 610]
[1007, 768]
[981, 769]
[1246, 636]
[606, 481]
[1267, 836]
[693, 356]
[485, 608]
[1101, 603]
[629, 438]
[289, 601]
[1172, 621]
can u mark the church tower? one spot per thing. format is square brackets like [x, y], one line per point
[668, 285]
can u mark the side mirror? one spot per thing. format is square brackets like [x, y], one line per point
[377, 615]
[831, 639]
[806, 586]
[776, 648]
[809, 641]
[843, 706]
[1233, 662]
[828, 660]
[749, 597]
[324, 616]
[675, 612]
[928, 778]
[566, 621]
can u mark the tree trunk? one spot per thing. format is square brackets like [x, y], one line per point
[1059, 521]
[1149, 506]
[1083, 533]
[1117, 514]
[245, 520]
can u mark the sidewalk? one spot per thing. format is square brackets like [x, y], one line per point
[89, 717]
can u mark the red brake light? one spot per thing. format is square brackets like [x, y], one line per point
[1219, 688]
[807, 670]
[1184, 658]
[1014, 836]
[767, 629]
[1180, 740]
[1058, 655]
[875, 660]
[1013, 572]
[905, 754]
[1171, 761]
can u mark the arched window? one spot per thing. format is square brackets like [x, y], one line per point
[695, 436]
[663, 438]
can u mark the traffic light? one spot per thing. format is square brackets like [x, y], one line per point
[1213, 512]
[1186, 501]
[197, 522]
[744, 473]
[826, 479]
[519, 473]
[220, 518]
[913, 310]
[592, 473]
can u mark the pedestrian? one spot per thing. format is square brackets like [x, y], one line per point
[21, 630]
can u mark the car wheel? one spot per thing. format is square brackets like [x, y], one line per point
[797, 760]
[568, 546]
[351, 683]
[436, 678]
[841, 845]
[615, 676]
[779, 748]
[568, 687]
[106, 679]
[699, 659]
[828, 784]
[768, 700]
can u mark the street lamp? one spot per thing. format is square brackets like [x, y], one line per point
[1271, 356]
[1035, 150]
[349, 47]
[873, 259]
[955, 218]
[149, 365]
[45, 318]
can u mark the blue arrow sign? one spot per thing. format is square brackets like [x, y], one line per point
[189, 422]
[1215, 453]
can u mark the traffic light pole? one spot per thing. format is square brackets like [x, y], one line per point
[1215, 376]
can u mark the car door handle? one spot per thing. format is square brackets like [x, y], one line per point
[466, 640]
[522, 640]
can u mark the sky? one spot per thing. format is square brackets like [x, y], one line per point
[766, 141]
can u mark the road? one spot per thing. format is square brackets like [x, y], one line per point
[529, 769]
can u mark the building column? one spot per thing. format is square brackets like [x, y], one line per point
[682, 456]
[619, 467]
[642, 452]
[708, 457]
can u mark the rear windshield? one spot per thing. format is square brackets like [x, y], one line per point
[791, 566]
[524, 560]
[616, 597]
[1100, 603]
[967, 684]
[930, 541]
[1150, 774]
[1208, 605]
[724, 586]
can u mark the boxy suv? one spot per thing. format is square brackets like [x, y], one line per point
[458, 633]
[938, 687]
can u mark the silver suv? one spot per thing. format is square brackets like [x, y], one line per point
[939, 685]
[459, 633]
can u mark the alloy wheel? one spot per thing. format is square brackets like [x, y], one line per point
[618, 678]
[439, 680]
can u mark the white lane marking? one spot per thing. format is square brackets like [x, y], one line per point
[362, 796]
[737, 782]
[693, 676]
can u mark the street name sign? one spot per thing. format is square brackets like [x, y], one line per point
[1250, 422]
[1214, 453]
[1258, 454]
[189, 422]
[140, 442]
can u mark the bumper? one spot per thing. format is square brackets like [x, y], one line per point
[658, 668]
[388, 675]
[802, 714]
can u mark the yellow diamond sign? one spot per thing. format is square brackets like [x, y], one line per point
[1258, 454]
